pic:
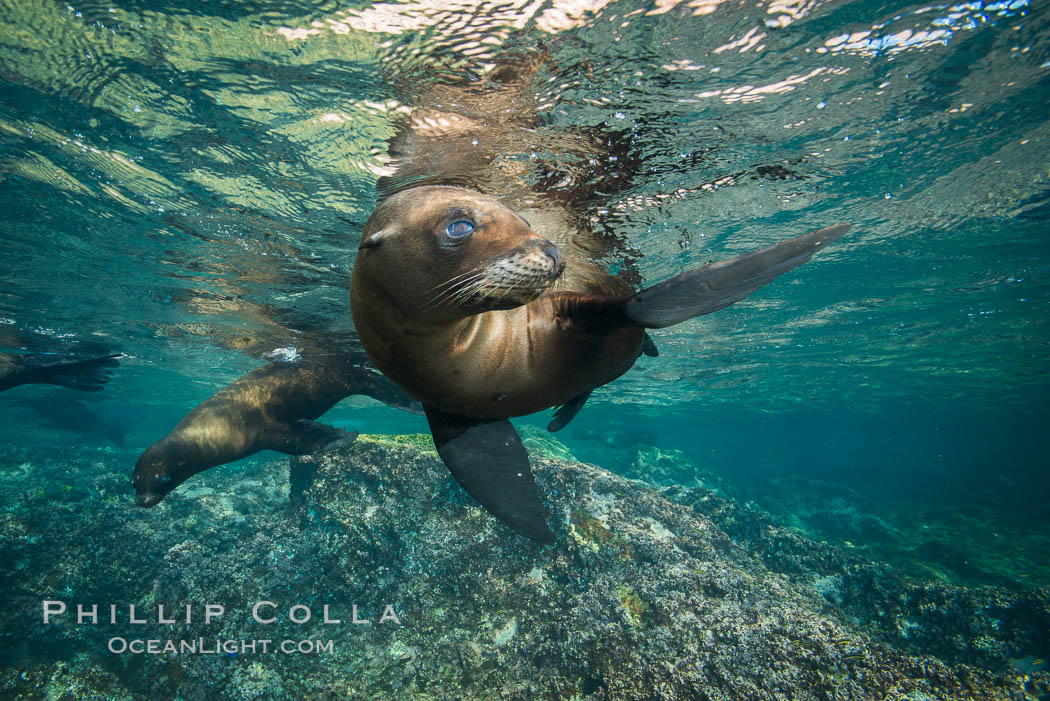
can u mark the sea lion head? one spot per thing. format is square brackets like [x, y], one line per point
[443, 252]
[158, 471]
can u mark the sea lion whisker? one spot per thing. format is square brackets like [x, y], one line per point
[445, 295]
[470, 280]
[442, 295]
[446, 288]
[523, 281]
[467, 285]
[478, 289]
[460, 296]
[489, 286]
[454, 278]
[467, 292]
[453, 288]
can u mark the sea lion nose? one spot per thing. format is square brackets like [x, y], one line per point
[555, 255]
[146, 500]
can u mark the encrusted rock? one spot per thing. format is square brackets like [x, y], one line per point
[645, 595]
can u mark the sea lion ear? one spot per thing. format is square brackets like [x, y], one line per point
[375, 239]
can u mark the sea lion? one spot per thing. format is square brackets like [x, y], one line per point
[272, 407]
[70, 415]
[467, 309]
[64, 370]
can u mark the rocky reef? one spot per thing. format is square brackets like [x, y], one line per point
[649, 593]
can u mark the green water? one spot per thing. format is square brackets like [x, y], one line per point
[185, 183]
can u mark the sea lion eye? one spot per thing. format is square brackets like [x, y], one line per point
[460, 228]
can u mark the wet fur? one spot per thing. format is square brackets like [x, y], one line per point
[508, 351]
[264, 409]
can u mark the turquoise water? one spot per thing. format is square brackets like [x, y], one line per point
[185, 184]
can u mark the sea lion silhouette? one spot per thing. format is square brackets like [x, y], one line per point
[64, 370]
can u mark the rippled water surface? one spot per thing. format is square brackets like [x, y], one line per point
[186, 184]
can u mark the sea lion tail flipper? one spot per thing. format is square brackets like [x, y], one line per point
[568, 411]
[716, 286]
[487, 458]
[88, 375]
[304, 437]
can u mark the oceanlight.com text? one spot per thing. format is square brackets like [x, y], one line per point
[217, 646]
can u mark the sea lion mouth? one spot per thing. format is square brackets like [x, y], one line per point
[148, 500]
[510, 280]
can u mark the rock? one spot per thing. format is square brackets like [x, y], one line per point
[988, 627]
[647, 594]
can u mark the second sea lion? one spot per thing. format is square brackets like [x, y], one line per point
[270, 408]
[64, 370]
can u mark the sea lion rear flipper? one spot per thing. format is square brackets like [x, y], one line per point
[362, 380]
[716, 286]
[304, 437]
[487, 458]
[568, 411]
[88, 375]
[649, 347]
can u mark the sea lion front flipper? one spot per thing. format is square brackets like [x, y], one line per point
[695, 292]
[304, 437]
[487, 458]
[716, 286]
[568, 411]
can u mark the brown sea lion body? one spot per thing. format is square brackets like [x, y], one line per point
[270, 408]
[414, 294]
[467, 309]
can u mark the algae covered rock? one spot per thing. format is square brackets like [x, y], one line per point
[989, 627]
[639, 598]
[400, 586]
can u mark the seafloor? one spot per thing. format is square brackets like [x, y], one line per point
[651, 592]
